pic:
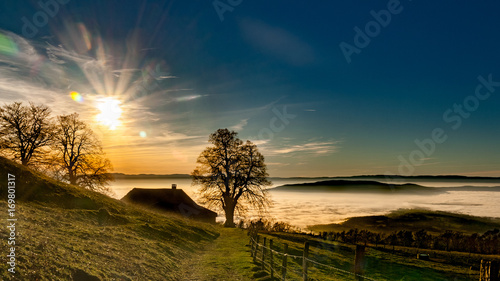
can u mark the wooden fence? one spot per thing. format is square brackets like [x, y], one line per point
[262, 251]
[489, 271]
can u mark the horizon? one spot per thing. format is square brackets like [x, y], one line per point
[319, 177]
[322, 89]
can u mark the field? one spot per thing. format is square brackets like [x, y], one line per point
[67, 233]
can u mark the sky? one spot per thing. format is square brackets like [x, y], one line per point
[333, 88]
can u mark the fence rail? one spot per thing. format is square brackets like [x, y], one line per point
[266, 256]
[269, 260]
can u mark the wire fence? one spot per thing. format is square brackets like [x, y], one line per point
[265, 255]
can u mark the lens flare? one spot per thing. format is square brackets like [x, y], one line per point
[7, 45]
[85, 35]
[143, 134]
[76, 96]
[110, 112]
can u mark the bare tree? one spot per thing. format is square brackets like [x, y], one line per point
[79, 155]
[232, 175]
[25, 130]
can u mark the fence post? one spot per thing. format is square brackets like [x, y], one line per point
[489, 271]
[271, 257]
[358, 260]
[264, 254]
[256, 250]
[251, 245]
[495, 270]
[255, 245]
[304, 260]
[285, 253]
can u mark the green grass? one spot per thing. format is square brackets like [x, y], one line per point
[53, 243]
[227, 258]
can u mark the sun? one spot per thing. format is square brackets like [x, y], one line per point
[110, 112]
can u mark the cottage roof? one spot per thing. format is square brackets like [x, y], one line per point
[164, 198]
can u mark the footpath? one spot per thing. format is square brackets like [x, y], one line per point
[225, 258]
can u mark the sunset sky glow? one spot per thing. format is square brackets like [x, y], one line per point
[324, 89]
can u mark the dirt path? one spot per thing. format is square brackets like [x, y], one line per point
[226, 258]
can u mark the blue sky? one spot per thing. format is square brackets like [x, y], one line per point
[275, 73]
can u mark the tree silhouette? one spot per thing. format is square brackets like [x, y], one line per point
[25, 130]
[232, 175]
[421, 237]
[78, 155]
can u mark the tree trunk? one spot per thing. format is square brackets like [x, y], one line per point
[229, 210]
[72, 177]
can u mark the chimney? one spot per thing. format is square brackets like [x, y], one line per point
[174, 186]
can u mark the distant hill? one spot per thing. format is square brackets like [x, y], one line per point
[353, 186]
[435, 222]
[425, 177]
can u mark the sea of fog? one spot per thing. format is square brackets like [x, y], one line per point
[303, 209]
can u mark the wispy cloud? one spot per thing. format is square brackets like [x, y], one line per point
[277, 42]
[238, 127]
[163, 139]
[315, 148]
[46, 74]
[277, 164]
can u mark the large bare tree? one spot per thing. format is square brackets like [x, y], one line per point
[79, 155]
[25, 130]
[232, 175]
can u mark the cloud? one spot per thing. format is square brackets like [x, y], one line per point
[315, 148]
[240, 125]
[277, 164]
[159, 140]
[28, 74]
[277, 42]
[46, 74]
[260, 142]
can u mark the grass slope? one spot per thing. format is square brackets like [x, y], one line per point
[435, 222]
[68, 233]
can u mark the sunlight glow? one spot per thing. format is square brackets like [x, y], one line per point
[110, 112]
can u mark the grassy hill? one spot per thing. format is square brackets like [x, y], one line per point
[353, 186]
[435, 222]
[64, 232]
